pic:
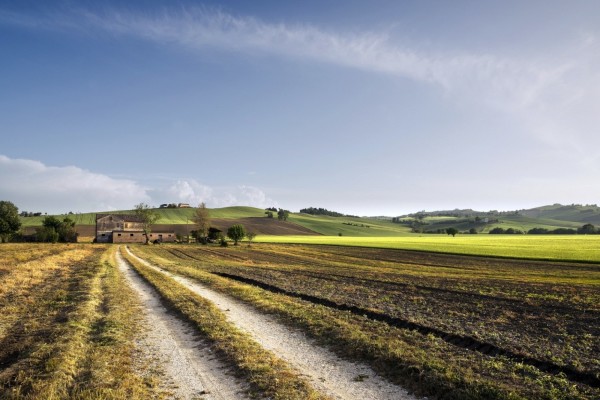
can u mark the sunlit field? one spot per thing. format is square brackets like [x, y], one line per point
[446, 326]
[584, 248]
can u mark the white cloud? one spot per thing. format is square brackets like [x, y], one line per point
[192, 192]
[33, 186]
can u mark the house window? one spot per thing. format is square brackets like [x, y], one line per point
[131, 234]
[119, 234]
[104, 234]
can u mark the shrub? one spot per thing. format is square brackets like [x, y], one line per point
[236, 233]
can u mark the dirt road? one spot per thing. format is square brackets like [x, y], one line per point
[190, 369]
[328, 373]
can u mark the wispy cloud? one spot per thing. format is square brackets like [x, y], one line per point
[551, 96]
[546, 93]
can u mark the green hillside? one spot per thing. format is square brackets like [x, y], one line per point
[574, 212]
[548, 217]
[349, 226]
[519, 222]
[167, 215]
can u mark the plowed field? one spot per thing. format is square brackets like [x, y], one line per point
[474, 326]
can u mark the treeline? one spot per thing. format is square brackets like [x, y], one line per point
[587, 229]
[324, 211]
[467, 213]
[30, 214]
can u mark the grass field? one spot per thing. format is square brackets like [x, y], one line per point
[584, 248]
[67, 325]
[348, 226]
[167, 215]
[446, 326]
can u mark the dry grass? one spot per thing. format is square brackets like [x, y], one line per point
[68, 329]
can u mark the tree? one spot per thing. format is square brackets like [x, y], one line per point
[451, 231]
[54, 230]
[282, 214]
[66, 232]
[148, 217]
[250, 236]
[269, 214]
[236, 233]
[202, 220]
[9, 220]
[587, 229]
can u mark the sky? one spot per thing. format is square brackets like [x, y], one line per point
[362, 107]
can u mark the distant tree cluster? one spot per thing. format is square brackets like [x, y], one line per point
[54, 230]
[587, 229]
[321, 211]
[282, 214]
[466, 213]
[510, 231]
[30, 214]
[356, 224]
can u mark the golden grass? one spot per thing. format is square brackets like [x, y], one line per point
[53, 345]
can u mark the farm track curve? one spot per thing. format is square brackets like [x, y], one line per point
[462, 341]
[192, 371]
[327, 372]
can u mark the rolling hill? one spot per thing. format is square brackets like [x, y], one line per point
[181, 221]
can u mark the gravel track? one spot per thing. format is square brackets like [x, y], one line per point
[328, 373]
[190, 369]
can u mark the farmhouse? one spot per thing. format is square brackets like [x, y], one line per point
[124, 228]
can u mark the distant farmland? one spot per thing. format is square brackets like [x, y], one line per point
[584, 248]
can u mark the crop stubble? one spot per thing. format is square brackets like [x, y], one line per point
[540, 320]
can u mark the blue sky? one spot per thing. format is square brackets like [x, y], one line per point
[370, 108]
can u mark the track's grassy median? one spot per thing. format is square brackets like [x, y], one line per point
[270, 376]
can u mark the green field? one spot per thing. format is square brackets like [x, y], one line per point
[167, 215]
[584, 248]
[349, 226]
